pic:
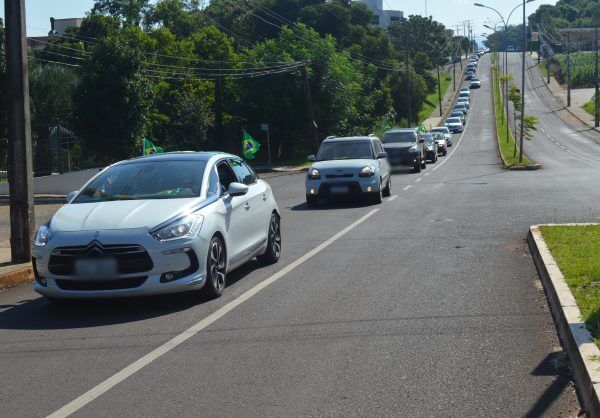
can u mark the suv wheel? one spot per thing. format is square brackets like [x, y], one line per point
[417, 167]
[312, 201]
[423, 163]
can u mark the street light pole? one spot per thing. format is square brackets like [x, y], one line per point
[596, 109]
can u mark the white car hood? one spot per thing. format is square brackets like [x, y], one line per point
[119, 214]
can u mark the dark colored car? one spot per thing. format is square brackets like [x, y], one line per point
[405, 148]
[460, 107]
[431, 148]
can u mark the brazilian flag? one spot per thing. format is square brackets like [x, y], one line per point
[151, 149]
[249, 146]
[421, 128]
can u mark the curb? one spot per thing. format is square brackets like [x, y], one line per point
[584, 355]
[566, 107]
[508, 167]
[16, 277]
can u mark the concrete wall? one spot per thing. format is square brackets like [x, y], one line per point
[58, 183]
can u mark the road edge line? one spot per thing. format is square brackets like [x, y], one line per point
[164, 348]
[583, 354]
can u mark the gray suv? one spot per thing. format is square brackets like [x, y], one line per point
[351, 167]
[405, 148]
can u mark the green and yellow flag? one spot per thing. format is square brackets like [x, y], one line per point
[421, 128]
[150, 148]
[249, 146]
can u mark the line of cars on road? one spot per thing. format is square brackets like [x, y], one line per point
[361, 166]
[457, 118]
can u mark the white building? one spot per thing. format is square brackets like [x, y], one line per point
[382, 18]
[57, 27]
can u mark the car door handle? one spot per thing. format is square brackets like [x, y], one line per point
[247, 206]
[264, 196]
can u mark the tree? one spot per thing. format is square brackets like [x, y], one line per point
[111, 101]
[51, 89]
[130, 11]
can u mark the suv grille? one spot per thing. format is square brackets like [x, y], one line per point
[130, 258]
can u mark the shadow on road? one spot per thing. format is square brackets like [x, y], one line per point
[555, 364]
[40, 314]
[334, 204]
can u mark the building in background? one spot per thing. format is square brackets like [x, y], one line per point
[57, 27]
[382, 18]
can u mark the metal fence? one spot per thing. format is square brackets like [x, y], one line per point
[55, 149]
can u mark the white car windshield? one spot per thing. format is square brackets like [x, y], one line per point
[443, 130]
[146, 180]
[453, 120]
[345, 150]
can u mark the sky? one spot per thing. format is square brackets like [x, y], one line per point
[449, 12]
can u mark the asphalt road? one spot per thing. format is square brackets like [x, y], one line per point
[430, 306]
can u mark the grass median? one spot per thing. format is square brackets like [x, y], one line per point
[576, 249]
[507, 148]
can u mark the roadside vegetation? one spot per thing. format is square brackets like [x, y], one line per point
[582, 68]
[508, 148]
[576, 249]
[589, 107]
[432, 100]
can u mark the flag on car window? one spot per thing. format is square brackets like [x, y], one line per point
[150, 148]
[249, 146]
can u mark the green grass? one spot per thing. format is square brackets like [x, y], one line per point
[589, 107]
[543, 69]
[432, 99]
[576, 249]
[506, 148]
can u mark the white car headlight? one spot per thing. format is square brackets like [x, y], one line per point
[186, 227]
[366, 172]
[42, 236]
[429, 147]
[414, 148]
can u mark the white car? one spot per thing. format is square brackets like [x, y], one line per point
[160, 224]
[454, 125]
[464, 100]
[475, 83]
[444, 130]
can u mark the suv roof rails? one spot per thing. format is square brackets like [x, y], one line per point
[372, 135]
[330, 137]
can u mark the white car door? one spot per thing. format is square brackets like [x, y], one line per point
[256, 214]
[236, 224]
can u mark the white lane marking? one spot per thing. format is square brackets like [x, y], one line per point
[120, 376]
[426, 174]
[419, 179]
[392, 198]
[408, 187]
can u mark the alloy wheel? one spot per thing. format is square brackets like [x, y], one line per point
[217, 265]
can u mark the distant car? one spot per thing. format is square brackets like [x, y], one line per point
[446, 132]
[431, 148]
[464, 100]
[351, 167]
[454, 125]
[469, 75]
[460, 107]
[442, 143]
[458, 114]
[510, 48]
[464, 90]
[466, 94]
[160, 224]
[475, 83]
[405, 148]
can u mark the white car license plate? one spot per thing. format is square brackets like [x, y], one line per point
[339, 189]
[96, 268]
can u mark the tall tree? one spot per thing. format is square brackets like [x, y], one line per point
[130, 11]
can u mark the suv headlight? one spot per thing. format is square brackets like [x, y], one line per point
[42, 236]
[186, 227]
[314, 174]
[366, 172]
[414, 148]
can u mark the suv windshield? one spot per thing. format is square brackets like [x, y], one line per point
[146, 180]
[345, 150]
[397, 137]
[443, 129]
[453, 120]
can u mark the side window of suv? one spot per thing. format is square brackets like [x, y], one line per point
[244, 174]
[378, 147]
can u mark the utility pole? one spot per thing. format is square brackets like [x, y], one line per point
[596, 108]
[20, 166]
[522, 86]
[219, 112]
[311, 112]
[439, 91]
[568, 68]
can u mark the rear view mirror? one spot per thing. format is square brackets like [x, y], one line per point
[381, 155]
[311, 159]
[237, 189]
[421, 140]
